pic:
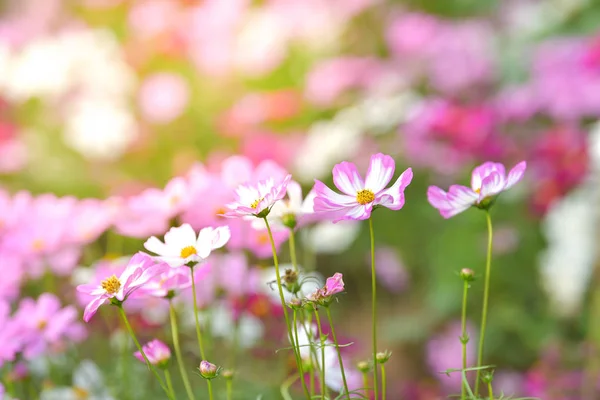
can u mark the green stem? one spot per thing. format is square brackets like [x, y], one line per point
[366, 383]
[229, 389]
[282, 298]
[141, 350]
[464, 340]
[322, 337]
[284, 389]
[198, 332]
[300, 365]
[486, 292]
[313, 354]
[490, 390]
[374, 308]
[169, 383]
[337, 347]
[182, 370]
[383, 389]
[292, 243]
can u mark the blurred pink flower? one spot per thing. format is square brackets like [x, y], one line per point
[157, 352]
[488, 180]
[261, 146]
[390, 269]
[330, 79]
[444, 352]
[153, 17]
[46, 324]
[360, 197]
[10, 334]
[181, 246]
[171, 281]
[140, 269]
[560, 161]
[163, 97]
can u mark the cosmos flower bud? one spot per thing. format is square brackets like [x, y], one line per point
[363, 366]
[291, 281]
[208, 370]
[157, 352]
[383, 356]
[296, 303]
[227, 374]
[467, 274]
[289, 220]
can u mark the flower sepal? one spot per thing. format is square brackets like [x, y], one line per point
[486, 204]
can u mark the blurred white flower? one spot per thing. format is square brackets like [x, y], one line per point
[249, 329]
[88, 383]
[99, 129]
[567, 263]
[332, 238]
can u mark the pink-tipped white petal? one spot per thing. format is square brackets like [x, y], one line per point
[484, 170]
[380, 172]
[395, 192]
[491, 185]
[328, 200]
[92, 307]
[347, 179]
[515, 174]
[358, 212]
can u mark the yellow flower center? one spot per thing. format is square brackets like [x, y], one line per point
[188, 251]
[81, 393]
[478, 191]
[255, 203]
[111, 285]
[220, 211]
[42, 324]
[262, 238]
[365, 196]
[38, 245]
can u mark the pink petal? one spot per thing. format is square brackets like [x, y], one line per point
[380, 172]
[515, 174]
[356, 213]
[347, 179]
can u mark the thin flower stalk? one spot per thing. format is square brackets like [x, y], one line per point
[339, 354]
[300, 365]
[486, 292]
[324, 393]
[281, 297]
[374, 308]
[139, 347]
[383, 383]
[177, 347]
[169, 383]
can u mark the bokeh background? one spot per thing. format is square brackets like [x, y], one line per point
[104, 99]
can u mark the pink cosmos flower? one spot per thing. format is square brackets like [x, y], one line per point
[333, 285]
[181, 245]
[10, 337]
[257, 199]
[487, 180]
[157, 352]
[360, 197]
[140, 269]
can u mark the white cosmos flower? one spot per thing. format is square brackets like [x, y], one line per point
[181, 246]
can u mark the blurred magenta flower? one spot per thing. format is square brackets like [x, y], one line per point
[181, 245]
[163, 97]
[360, 197]
[140, 269]
[488, 180]
[157, 352]
[257, 199]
